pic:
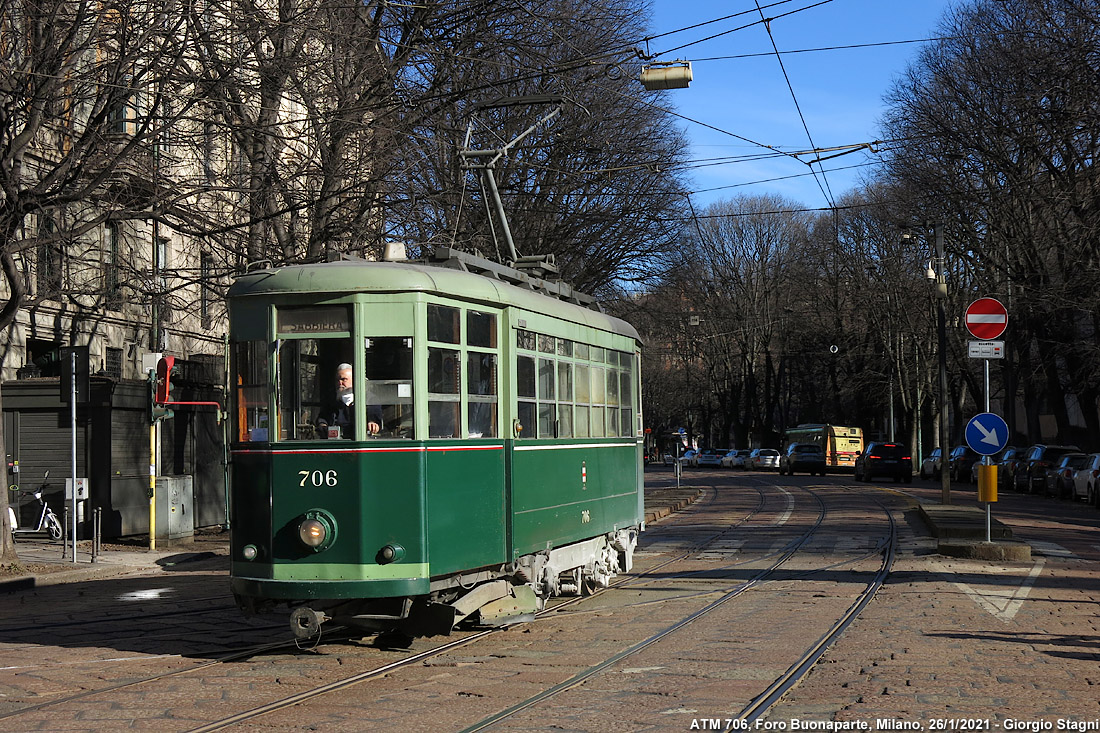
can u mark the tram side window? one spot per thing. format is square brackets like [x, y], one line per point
[444, 395]
[481, 329]
[389, 384]
[565, 399]
[252, 391]
[481, 393]
[548, 414]
[525, 392]
[583, 395]
[597, 418]
[443, 324]
[626, 394]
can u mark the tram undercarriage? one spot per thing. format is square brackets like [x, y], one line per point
[498, 597]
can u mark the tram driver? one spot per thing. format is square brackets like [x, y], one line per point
[339, 420]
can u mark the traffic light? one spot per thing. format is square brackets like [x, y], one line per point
[161, 383]
[164, 380]
[160, 412]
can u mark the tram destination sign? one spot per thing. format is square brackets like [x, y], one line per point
[986, 318]
[986, 349]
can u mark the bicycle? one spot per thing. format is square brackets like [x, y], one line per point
[47, 520]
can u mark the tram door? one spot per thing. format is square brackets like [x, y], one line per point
[465, 463]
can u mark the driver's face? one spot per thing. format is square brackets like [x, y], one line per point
[343, 380]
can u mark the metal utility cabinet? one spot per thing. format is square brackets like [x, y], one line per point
[175, 507]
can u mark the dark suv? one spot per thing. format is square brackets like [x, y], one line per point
[802, 457]
[885, 459]
[1031, 472]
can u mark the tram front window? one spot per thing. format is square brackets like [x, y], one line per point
[252, 387]
[323, 396]
[389, 382]
[313, 403]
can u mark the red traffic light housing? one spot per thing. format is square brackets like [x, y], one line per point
[164, 379]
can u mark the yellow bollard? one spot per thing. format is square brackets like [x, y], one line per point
[987, 484]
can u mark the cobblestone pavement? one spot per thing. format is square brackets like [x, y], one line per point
[961, 644]
[948, 644]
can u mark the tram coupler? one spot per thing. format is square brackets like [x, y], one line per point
[306, 623]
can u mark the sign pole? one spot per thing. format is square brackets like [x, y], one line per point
[72, 424]
[986, 319]
[987, 460]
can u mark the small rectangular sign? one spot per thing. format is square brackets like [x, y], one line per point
[986, 349]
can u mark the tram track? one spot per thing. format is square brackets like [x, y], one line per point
[752, 512]
[775, 690]
[797, 671]
[253, 651]
[728, 595]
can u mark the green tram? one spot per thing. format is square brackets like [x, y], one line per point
[493, 456]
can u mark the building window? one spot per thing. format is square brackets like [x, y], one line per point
[112, 364]
[49, 255]
[206, 271]
[112, 290]
[209, 151]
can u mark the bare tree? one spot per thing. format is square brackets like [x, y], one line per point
[997, 126]
[82, 91]
[596, 187]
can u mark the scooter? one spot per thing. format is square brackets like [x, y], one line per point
[47, 520]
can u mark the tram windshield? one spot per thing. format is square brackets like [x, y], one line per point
[323, 389]
[321, 396]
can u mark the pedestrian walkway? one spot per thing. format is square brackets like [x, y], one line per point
[51, 562]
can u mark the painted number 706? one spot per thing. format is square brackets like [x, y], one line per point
[319, 478]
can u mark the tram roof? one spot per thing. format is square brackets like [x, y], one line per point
[365, 276]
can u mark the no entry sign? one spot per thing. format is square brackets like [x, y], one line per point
[986, 318]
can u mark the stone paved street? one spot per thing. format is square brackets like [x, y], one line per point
[1003, 645]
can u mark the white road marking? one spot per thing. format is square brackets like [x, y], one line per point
[1049, 549]
[782, 518]
[1002, 601]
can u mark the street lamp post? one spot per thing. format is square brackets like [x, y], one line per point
[941, 324]
[936, 273]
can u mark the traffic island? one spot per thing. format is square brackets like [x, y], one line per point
[961, 531]
[1012, 550]
[660, 503]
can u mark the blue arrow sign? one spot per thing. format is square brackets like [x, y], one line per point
[987, 433]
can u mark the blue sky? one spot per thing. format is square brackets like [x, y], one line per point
[839, 91]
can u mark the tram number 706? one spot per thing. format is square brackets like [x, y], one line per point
[319, 478]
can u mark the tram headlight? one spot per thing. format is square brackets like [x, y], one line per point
[250, 552]
[317, 530]
[390, 553]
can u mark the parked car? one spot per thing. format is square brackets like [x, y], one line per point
[1031, 472]
[1086, 480]
[762, 458]
[686, 458]
[885, 459]
[930, 466]
[1007, 466]
[668, 459]
[1059, 479]
[806, 457]
[994, 460]
[735, 458]
[707, 457]
[962, 459]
